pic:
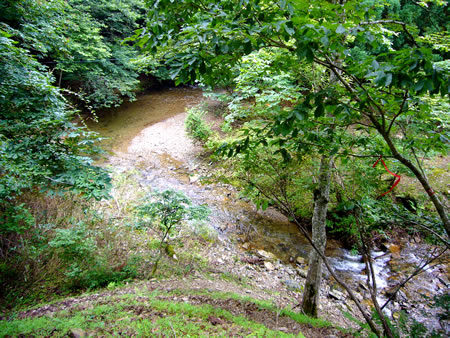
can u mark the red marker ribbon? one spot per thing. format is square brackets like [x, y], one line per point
[390, 172]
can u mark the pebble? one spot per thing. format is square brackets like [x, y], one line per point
[194, 178]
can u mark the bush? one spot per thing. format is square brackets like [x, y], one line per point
[196, 127]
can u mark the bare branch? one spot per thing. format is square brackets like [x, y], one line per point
[416, 272]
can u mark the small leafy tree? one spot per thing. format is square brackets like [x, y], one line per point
[168, 209]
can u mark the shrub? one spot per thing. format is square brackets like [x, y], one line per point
[168, 209]
[196, 127]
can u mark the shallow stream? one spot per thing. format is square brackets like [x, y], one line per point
[148, 135]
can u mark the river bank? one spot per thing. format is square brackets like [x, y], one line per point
[167, 159]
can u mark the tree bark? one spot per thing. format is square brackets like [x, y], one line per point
[440, 208]
[310, 304]
[423, 181]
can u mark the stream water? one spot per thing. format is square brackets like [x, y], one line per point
[148, 135]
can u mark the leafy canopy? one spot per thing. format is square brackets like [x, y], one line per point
[40, 146]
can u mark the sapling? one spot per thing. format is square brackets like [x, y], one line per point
[168, 209]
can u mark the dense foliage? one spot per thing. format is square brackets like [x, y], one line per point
[55, 56]
[81, 43]
[46, 46]
[383, 74]
[40, 146]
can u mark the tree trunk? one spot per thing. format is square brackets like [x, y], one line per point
[311, 293]
[423, 181]
[440, 207]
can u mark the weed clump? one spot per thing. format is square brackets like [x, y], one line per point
[196, 127]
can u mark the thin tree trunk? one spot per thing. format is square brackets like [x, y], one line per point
[424, 182]
[440, 208]
[311, 294]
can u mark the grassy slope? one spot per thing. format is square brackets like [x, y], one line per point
[154, 309]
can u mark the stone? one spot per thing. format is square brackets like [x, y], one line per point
[336, 295]
[302, 272]
[246, 246]
[77, 333]
[193, 178]
[292, 285]
[269, 266]
[300, 260]
[266, 255]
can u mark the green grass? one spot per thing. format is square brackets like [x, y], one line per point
[298, 317]
[115, 315]
[238, 280]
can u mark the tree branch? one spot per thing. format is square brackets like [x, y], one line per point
[394, 22]
[405, 97]
[416, 272]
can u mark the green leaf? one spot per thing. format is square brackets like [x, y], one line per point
[320, 109]
[334, 151]
[340, 29]
[325, 40]
[289, 30]
[388, 79]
